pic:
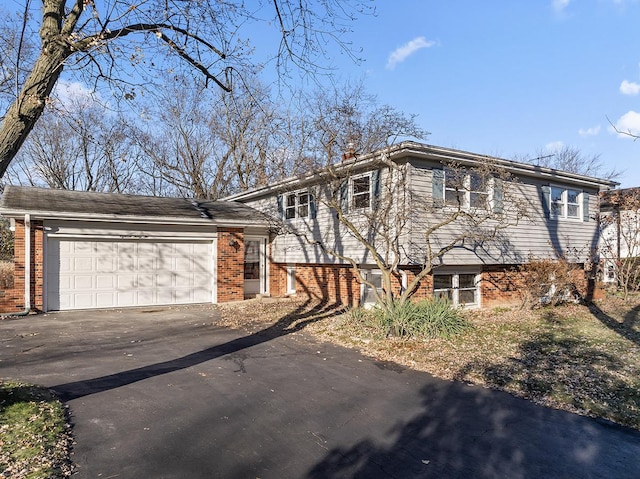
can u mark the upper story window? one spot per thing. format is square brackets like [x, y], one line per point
[466, 189]
[565, 202]
[296, 205]
[361, 191]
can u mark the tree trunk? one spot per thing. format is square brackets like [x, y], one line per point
[27, 108]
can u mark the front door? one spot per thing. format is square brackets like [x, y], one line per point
[255, 271]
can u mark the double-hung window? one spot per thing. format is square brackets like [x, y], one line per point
[296, 205]
[565, 202]
[466, 189]
[462, 289]
[361, 191]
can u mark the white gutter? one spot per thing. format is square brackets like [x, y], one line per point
[412, 149]
[163, 220]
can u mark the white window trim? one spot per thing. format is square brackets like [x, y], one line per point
[455, 287]
[352, 195]
[466, 192]
[291, 279]
[565, 203]
[296, 206]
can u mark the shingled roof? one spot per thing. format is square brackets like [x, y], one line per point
[42, 202]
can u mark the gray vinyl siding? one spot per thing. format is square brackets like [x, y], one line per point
[531, 237]
[325, 228]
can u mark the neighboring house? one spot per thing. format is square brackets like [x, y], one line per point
[544, 213]
[619, 234]
[98, 250]
[79, 250]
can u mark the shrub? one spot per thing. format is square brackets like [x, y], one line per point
[548, 282]
[432, 318]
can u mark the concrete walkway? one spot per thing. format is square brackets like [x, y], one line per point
[164, 393]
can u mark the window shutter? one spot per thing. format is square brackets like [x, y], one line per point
[546, 201]
[585, 206]
[498, 196]
[344, 196]
[280, 206]
[376, 187]
[437, 187]
[312, 206]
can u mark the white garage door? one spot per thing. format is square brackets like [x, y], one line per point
[103, 274]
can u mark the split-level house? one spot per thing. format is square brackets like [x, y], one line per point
[471, 219]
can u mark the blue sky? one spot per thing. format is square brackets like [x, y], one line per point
[511, 77]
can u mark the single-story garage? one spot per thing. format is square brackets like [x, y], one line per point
[83, 250]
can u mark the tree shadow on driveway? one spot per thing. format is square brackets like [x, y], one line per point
[464, 432]
[305, 314]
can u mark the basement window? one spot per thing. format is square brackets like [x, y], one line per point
[462, 289]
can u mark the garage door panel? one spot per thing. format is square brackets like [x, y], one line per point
[105, 282]
[106, 300]
[83, 300]
[146, 264]
[105, 264]
[164, 280]
[83, 282]
[126, 298]
[146, 281]
[81, 247]
[100, 274]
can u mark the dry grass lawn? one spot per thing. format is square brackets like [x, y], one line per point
[584, 359]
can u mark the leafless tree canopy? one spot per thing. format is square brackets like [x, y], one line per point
[133, 46]
[568, 158]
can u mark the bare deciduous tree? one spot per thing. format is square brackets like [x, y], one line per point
[130, 45]
[619, 245]
[205, 144]
[401, 231]
[77, 147]
[348, 120]
[568, 158]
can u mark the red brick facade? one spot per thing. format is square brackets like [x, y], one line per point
[230, 263]
[13, 300]
[499, 285]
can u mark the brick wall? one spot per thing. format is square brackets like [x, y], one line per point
[12, 300]
[277, 278]
[230, 264]
[333, 283]
[326, 282]
[501, 286]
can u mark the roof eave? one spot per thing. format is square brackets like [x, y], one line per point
[68, 216]
[419, 150]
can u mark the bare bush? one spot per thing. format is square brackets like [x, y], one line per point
[549, 282]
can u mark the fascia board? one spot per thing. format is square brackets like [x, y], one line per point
[411, 149]
[42, 215]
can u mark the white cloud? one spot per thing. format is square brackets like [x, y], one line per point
[628, 124]
[554, 146]
[72, 95]
[593, 131]
[560, 5]
[629, 88]
[402, 53]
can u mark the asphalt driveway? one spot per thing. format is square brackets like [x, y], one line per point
[165, 393]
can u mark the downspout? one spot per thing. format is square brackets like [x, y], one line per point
[27, 270]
